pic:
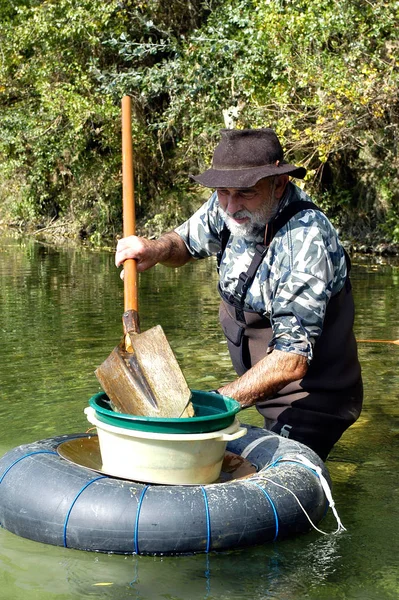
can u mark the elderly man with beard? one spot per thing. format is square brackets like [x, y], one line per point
[286, 303]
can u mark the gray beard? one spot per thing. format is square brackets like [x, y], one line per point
[251, 229]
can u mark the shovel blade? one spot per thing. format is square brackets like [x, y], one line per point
[148, 381]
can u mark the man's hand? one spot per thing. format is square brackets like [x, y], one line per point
[169, 249]
[266, 378]
[143, 251]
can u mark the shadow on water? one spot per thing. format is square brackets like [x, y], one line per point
[61, 317]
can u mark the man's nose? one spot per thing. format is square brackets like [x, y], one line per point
[233, 202]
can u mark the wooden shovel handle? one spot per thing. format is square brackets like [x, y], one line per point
[129, 216]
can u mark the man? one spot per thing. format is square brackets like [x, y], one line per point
[286, 304]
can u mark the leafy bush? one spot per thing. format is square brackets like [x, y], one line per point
[324, 75]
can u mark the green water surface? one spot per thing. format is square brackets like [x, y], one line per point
[60, 318]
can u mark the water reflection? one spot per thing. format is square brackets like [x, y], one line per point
[272, 572]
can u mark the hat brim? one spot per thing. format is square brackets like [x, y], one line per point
[243, 178]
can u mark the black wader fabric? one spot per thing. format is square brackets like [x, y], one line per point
[317, 409]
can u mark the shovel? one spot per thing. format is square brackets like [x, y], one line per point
[141, 376]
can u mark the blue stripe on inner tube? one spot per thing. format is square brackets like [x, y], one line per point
[136, 526]
[22, 458]
[73, 503]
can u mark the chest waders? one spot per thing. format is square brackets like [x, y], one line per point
[317, 409]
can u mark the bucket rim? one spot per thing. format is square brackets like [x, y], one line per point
[200, 424]
[217, 435]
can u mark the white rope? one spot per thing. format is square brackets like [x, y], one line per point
[326, 488]
[248, 449]
[258, 441]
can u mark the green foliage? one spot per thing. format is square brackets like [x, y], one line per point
[324, 75]
[56, 130]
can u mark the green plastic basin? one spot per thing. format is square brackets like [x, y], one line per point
[212, 412]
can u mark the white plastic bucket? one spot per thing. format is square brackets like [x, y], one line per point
[176, 458]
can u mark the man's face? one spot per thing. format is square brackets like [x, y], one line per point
[248, 209]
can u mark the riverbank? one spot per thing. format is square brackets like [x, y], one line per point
[62, 232]
[368, 248]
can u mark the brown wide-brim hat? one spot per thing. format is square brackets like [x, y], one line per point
[245, 156]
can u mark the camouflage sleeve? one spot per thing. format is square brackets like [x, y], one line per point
[201, 231]
[309, 267]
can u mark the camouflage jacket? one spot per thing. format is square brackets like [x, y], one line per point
[304, 266]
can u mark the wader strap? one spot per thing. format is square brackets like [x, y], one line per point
[286, 214]
[245, 279]
[224, 238]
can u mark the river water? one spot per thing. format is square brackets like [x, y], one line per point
[60, 318]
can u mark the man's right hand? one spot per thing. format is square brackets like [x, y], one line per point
[169, 249]
[145, 252]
